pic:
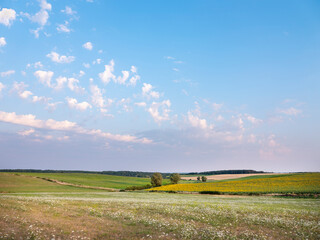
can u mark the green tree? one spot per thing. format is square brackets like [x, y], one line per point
[175, 178]
[198, 178]
[156, 180]
[204, 178]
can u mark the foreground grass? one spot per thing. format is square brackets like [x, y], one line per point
[135, 215]
[289, 183]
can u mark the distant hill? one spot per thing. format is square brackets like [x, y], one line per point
[243, 171]
[132, 173]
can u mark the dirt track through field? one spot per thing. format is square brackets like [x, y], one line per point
[229, 176]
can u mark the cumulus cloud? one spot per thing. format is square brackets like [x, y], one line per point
[73, 85]
[197, 122]
[123, 79]
[7, 73]
[68, 10]
[55, 57]
[19, 88]
[51, 124]
[44, 77]
[41, 17]
[7, 16]
[63, 27]
[157, 107]
[107, 75]
[147, 91]
[73, 103]
[88, 45]
[98, 100]
[2, 41]
[60, 83]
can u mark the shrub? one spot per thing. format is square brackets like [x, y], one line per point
[204, 178]
[175, 178]
[156, 180]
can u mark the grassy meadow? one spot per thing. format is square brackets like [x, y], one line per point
[33, 208]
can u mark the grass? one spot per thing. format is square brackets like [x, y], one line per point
[132, 215]
[288, 183]
[93, 180]
[11, 183]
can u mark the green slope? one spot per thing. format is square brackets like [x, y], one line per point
[94, 180]
[11, 183]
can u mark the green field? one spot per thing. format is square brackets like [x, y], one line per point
[11, 183]
[286, 183]
[94, 180]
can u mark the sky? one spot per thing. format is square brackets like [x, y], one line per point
[170, 86]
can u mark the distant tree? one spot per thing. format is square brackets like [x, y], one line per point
[156, 180]
[198, 178]
[175, 178]
[204, 178]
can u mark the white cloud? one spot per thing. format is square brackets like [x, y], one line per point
[291, 111]
[73, 103]
[107, 75]
[133, 69]
[253, 119]
[140, 104]
[60, 83]
[197, 122]
[40, 99]
[35, 65]
[73, 85]
[26, 132]
[97, 98]
[63, 27]
[19, 88]
[147, 91]
[31, 121]
[68, 10]
[86, 65]
[25, 94]
[87, 45]
[44, 77]
[97, 61]
[156, 108]
[123, 79]
[7, 16]
[81, 73]
[55, 57]
[175, 69]
[2, 41]
[7, 73]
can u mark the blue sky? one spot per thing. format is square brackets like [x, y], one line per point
[160, 85]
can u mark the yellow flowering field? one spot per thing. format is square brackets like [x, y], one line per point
[291, 183]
